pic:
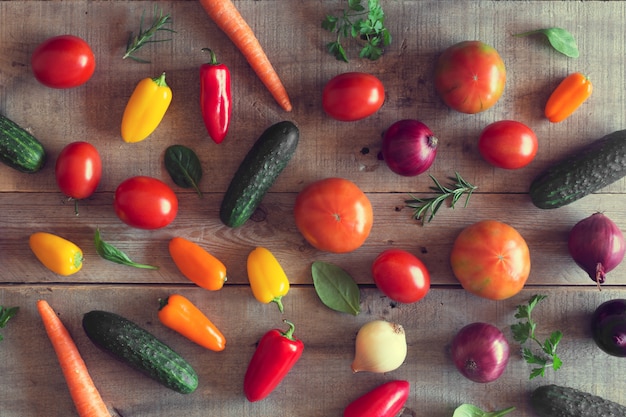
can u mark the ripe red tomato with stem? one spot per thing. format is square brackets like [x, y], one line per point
[401, 276]
[508, 144]
[353, 96]
[64, 61]
[470, 76]
[78, 170]
[491, 260]
[334, 215]
[145, 203]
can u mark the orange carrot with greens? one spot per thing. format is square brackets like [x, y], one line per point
[82, 389]
[229, 20]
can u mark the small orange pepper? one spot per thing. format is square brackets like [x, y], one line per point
[56, 253]
[567, 97]
[145, 108]
[198, 265]
[181, 315]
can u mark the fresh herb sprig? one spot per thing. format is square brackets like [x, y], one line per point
[525, 331]
[135, 42]
[454, 190]
[6, 313]
[366, 24]
[113, 254]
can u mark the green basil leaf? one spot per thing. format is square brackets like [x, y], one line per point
[184, 167]
[336, 288]
[469, 410]
[113, 254]
[559, 38]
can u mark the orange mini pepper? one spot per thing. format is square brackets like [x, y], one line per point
[198, 265]
[567, 97]
[145, 108]
[181, 315]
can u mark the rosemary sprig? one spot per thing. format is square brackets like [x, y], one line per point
[455, 190]
[144, 37]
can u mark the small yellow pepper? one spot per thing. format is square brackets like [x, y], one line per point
[145, 109]
[56, 253]
[267, 278]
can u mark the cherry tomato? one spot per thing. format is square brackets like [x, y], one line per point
[470, 76]
[352, 96]
[401, 276]
[333, 215]
[145, 203]
[64, 61]
[508, 144]
[491, 260]
[78, 170]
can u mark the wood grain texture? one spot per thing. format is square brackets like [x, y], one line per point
[321, 384]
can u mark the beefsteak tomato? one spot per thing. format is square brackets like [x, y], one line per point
[353, 96]
[334, 215]
[470, 76]
[145, 203]
[78, 170]
[63, 61]
[508, 144]
[491, 260]
[401, 276]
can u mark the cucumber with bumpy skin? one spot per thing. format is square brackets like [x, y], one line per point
[258, 171]
[140, 349]
[19, 149]
[557, 401]
[595, 166]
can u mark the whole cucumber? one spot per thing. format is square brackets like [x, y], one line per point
[19, 149]
[558, 401]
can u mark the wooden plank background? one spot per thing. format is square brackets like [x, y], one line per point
[321, 383]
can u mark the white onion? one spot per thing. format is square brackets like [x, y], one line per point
[380, 347]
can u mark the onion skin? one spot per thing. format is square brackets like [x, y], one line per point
[597, 246]
[386, 400]
[380, 347]
[480, 352]
[608, 327]
[409, 147]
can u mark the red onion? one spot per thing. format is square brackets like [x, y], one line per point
[409, 147]
[480, 352]
[608, 327]
[597, 245]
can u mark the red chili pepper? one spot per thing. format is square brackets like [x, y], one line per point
[215, 97]
[386, 400]
[275, 355]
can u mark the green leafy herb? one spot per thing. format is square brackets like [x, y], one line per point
[358, 22]
[469, 410]
[113, 254]
[144, 37]
[526, 331]
[336, 288]
[184, 167]
[6, 313]
[559, 38]
[455, 190]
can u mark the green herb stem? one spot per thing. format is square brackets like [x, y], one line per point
[145, 37]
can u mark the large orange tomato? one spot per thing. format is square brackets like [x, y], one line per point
[334, 215]
[491, 260]
[470, 76]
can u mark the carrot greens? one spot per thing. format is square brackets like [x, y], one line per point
[144, 37]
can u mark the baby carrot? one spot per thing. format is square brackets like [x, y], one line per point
[229, 20]
[82, 389]
[567, 97]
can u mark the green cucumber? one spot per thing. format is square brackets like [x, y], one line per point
[586, 171]
[19, 149]
[557, 401]
[257, 172]
[140, 349]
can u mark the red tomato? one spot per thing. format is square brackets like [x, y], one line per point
[78, 170]
[508, 144]
[353, 96]
[145, 203]
[491, 260]
[334, 215]
[401, 276]
[64, 61]
[470, 76]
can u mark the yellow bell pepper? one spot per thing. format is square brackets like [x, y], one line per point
[56, 253]
[145, 109]
[268, 280]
